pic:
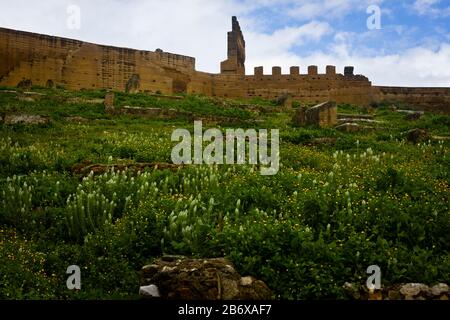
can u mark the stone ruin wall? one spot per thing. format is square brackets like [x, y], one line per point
[72, 64]
[426, 99]
[307, 88]
[47, 60]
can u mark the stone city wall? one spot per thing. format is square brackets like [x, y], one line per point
[34, 59]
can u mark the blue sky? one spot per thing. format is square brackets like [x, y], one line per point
[412, 48]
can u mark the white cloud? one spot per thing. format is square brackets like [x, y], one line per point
[429, 8]
[329, 9]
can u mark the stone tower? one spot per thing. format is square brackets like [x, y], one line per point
[235, 64]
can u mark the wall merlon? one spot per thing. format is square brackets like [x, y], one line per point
[276, 71]
[349, 71]
[259, 71]
[330, 70]
[294, 70]
[312, 70]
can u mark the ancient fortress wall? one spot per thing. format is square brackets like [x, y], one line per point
[47, 60]
[53, 61]
[309, 88]
[427, 99]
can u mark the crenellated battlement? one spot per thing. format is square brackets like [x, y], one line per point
[311, 71]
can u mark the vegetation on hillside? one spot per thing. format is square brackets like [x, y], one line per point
[332, 210]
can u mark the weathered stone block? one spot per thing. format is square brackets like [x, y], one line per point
[109, 102]
[200, 279]
[13, 119]
[299, 118]
[284, 100]
[321, 115]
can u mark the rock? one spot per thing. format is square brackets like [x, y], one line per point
[149, 112]
[172, 258]
[328, 141]
[150, 291]
[85, 168]
[179, 277]
[410, 290]
[410, 112]
[417, 135]
[394, 295]
[376, 295]
[76, 119]
[25, 84]
[322, 115]
[34, 94]
[413, 116]
[109, 102]
[50, 84]
[77, 100]
[284, 100]
[354, 116]
[352, 290]
[356, 120]
[299, 118]
[405, 291]
[440, 138]
[349, 127]
[439, 289]
[25, 99]
[149, 270]
[246, 281]
[25, 119]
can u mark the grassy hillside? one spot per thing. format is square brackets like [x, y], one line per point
[336, 206]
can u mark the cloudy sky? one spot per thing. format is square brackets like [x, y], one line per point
[410, 46]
